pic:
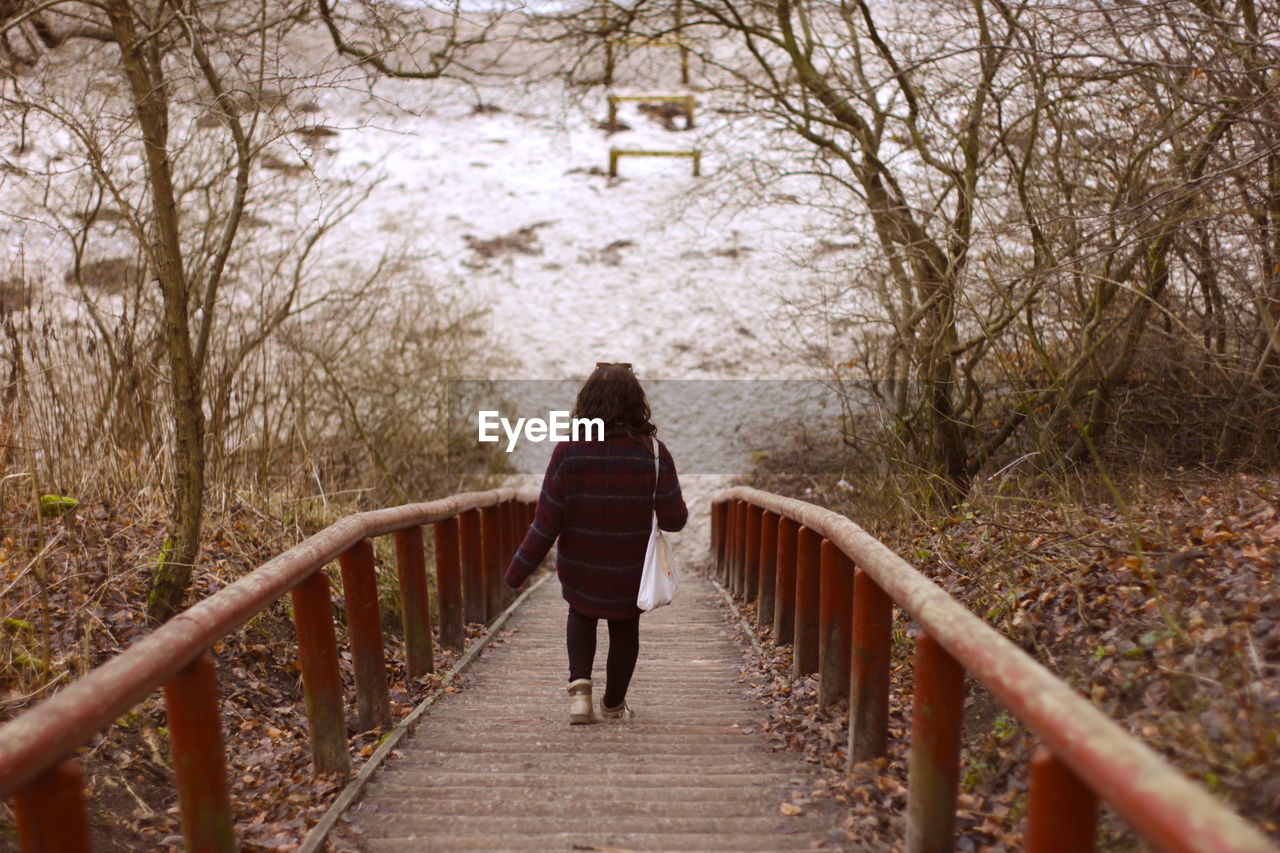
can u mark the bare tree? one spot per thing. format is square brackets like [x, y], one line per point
[167, 158]
[1048, 194]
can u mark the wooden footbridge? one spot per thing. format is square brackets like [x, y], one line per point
[498, 768]
[495, 766]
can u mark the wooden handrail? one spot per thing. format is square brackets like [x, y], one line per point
[34, 745]
[1083, 744]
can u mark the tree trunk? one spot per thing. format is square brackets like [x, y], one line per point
[1100, 418]
[142, 66]
[938, 371]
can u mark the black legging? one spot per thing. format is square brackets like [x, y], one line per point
[624, 648]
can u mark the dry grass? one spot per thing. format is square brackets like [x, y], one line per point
[344, 409]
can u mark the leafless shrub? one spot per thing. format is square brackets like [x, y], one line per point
[364, 388]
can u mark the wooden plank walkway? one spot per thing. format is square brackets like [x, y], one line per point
[497, 767]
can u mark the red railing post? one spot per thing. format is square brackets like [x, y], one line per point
[936, 718]
[415, 600]
[448, 584]
[768, 570]
[474, 599]
[1063, 814]
[502, 533]
[730, 531]
[751, 565]
[740, 551]
[321, 682]
[523, 520]
[804, 648]
[364, 630]
[784, 590]
[527, 515]
[510, 543]
[719, 515]
[737, 521]
[835, 612]
[508, 530]
[516, 525]
[490, 557]
[869, 669]
[50, 811]
[193, 711]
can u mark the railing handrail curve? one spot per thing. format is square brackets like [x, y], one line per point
[1163, 805]
[40, 737]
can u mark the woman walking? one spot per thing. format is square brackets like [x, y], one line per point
[597, 499]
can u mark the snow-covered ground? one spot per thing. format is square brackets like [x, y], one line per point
[647, 268]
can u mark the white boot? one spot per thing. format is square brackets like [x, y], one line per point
[622, 712]
[580, 712]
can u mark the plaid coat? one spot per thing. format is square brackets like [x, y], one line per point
[597, 499]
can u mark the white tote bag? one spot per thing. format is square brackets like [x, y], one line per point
[658, 582]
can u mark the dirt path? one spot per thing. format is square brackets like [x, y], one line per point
[497, 767]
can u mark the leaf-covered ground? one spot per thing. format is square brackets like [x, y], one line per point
[1165, 613]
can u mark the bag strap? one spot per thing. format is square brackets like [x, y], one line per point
[655, 473]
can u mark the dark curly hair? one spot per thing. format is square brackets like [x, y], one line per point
[613, 394]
